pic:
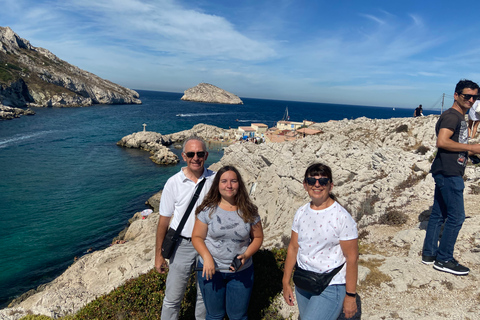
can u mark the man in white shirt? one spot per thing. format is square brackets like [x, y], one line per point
[176, 197]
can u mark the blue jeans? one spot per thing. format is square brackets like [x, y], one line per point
[447, 208]
[326, 306]
[227, 293]
[179, 270]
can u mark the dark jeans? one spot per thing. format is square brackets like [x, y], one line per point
[227, 293]
[447, 208]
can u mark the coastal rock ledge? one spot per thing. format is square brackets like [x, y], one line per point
[153, 142]
[205, 92]
[381, 174]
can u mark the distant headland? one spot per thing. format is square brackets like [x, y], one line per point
[34, 77]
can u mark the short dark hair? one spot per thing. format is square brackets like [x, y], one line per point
[319, 169]
[464, 83]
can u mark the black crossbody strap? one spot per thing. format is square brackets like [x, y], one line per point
[189, 209]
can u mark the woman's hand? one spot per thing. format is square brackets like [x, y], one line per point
[349, 306]
[208, 268]
[288, 294]
[242, 259]
[288, 269]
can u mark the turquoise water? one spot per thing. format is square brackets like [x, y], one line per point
[66, 187]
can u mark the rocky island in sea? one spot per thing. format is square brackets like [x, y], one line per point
[34, 77]
[381, 175]
[205, 92]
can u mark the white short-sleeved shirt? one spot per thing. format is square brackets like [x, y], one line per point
[472, 113]
[319, 235]
[176, 197]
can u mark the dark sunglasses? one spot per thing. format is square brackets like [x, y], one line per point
[312, 181]
[470, 96]
[200, 154]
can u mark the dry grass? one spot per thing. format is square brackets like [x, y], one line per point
[375, 278]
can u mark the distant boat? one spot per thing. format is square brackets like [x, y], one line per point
[286, 117]
[393, 109]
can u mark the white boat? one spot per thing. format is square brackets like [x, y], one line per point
[286, 117]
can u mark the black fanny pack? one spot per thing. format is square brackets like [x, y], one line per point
[313, 282]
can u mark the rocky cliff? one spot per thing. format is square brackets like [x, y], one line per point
[205, 92]
[33, 76]
[380, 174]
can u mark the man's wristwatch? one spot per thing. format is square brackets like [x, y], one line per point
[351, 294]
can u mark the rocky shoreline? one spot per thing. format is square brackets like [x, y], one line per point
[157, 144]
[380, 170]
[9, 113]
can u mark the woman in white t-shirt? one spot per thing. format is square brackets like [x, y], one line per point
[473, 119]
[324, 236]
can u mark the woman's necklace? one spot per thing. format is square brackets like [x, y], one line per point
[227, 206]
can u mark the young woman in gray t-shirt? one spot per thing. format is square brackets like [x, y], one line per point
[227, 226]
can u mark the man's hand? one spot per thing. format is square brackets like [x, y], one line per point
[160, 264]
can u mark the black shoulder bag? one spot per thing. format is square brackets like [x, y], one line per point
[313, 282]
[172, 236]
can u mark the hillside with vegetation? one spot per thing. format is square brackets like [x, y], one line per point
[33, 76]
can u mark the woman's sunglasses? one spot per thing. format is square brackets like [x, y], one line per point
[312, 181]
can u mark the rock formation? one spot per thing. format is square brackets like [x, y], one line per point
[380, 169]
[157, 143]
[206, 132]
[205, 92]
[153, 142]
[8, 113]
[33, 76]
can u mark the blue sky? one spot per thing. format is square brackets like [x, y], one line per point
[378, 53]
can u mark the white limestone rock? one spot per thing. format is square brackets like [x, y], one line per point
[153, 142]
[205, 92]
[41, 79]
[371, 163]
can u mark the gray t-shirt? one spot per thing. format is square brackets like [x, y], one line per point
[227, 236]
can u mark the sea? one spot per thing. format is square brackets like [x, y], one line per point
[66, 187]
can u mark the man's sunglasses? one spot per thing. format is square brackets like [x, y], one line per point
[470, 96]
[312, 181]
[200, 154]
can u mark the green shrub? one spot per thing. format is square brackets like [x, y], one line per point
[367, 207]
[5, 75]
[269, 267]
[142, 298]
[139, 298]
[402, 128]
[422, 150]
[393, 218]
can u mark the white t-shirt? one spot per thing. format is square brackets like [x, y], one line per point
[319, 233]
[176, 197]
[474, 112]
